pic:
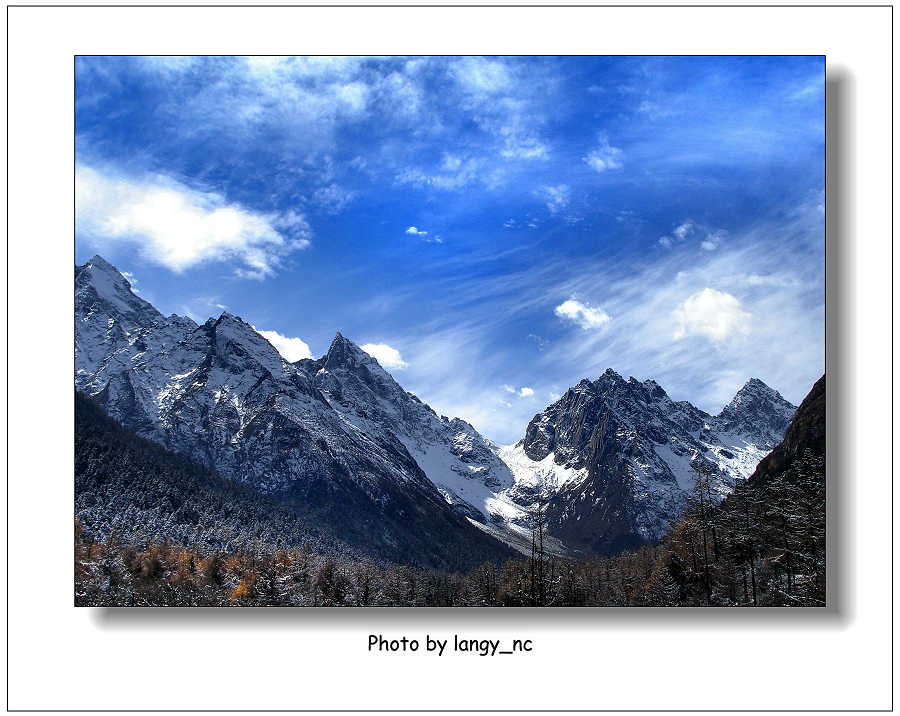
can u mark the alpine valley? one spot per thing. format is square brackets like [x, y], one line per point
[335, 448]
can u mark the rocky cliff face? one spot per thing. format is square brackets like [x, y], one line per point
[457, 459]
[635, 450]
[612, 460]
[222, 395]
[806, 433]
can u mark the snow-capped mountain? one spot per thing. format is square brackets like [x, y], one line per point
[611, 459]
[456, 458]
[222, 395]
[628, 453]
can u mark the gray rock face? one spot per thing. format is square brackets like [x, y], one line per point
[461, 463]
[756, 409]
[637, 449]
[222, 395]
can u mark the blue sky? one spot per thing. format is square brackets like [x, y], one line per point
[492, 229]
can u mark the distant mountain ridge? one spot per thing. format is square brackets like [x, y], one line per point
[635, 450]
[611, 459]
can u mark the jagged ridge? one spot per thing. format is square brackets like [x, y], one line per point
[612, 459]
[222, 395]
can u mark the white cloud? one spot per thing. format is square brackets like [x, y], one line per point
[482, 75]
[689, 228]
[711, 313]
[453, 173]
[451, 162]
[520, 147]
[291, 349]
[682, 230]
[414, 231]
[168, 64]
[133, 282]
[556, 197]
[354, 96]
[712, 240]
[388, 357]
[523, 392]
[333, 198]
[583, 314]
[812, 89]
[180, 227]
[655, 110]
[604, 157]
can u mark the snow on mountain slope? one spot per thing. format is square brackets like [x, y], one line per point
[457, 459]
[533, 477]
[616, 460]
[222, 395]
[612, 460]
[642, 480]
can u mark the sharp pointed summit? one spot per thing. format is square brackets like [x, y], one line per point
[101, 286]
[757, 408]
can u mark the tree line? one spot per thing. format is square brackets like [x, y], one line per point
[763, 546]
[153, 528]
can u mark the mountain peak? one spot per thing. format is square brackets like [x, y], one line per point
[345, 353]
[98, 280]
[226, 317]
[100, 262]
[610, 380]
[759, 408]
[99, 265]
[756, 387]
[240, 343]
[340, 343]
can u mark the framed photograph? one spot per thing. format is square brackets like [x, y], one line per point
[459, 358]
[500, 331]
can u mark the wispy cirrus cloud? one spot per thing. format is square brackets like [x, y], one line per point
[701, 323]
[482, 75]
[604, 157]
[333, 198]
[556, 197]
